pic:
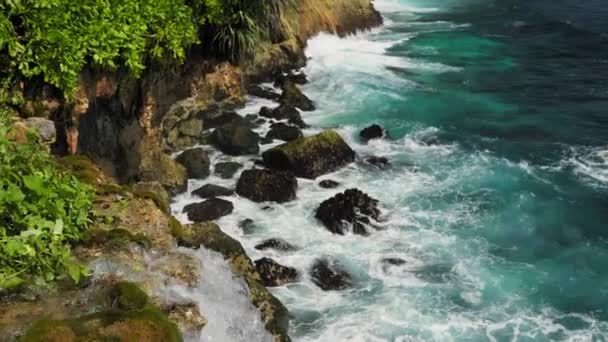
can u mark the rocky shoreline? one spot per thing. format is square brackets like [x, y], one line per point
[124, 132]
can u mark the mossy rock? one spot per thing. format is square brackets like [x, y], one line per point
[311, 157]
[134, 320]
[115, 238]
[84, 169]
[128, 296]
[155, 192]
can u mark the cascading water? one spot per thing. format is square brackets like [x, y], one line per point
[496, 198]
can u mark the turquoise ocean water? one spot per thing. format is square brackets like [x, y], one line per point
[497, 199]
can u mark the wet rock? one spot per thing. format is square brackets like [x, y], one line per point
[128, 296]
[297, 78]
[260, 121]
[350, 207]
[311, 157]
[378, 162]
[293, 96]
[212, 190]
[266, 140]
[181, 267]
[372, 132]
[263, 92]
[209, 210]
[45, 128]
[394, 261]
[226, 170]
[284, 112]
[251, 117]
[267, 185]
[196, 162]
[235, 139]
[274, 274]
[329, 184]
[186, 315]
[276, 244]
[281, 131]
[329, 276]
[247, 225]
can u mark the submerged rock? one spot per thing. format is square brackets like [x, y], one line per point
[274, 274]
[293, 96]
[235, 139]
[212, 190]
[267, 185]
[374, 131]
[378, 162]
[226, 170]
[311, 157]
[209, 210]
[276, 244]
[329, 184]
[350, 207]
[329, 276]
[196, 162]
[281, 131]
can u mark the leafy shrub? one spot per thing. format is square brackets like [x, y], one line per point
[42, 211]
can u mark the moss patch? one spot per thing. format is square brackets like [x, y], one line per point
[115, 238]
[128, 296]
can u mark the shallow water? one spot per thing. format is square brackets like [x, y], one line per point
[497, 198]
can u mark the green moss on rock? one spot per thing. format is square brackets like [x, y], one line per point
[128, 296]
[115, 238]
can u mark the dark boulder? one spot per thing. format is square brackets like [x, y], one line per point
[281, 131]
[394, 261]
[263, 92]
[329, 184]
[297, 78]
[247, 226]
[276, 244]
[311, 157]
[329, 276]
[212, 190]
[350, 207]
[372, 132]
[235, 139]
[293, 96]
[209, 210]
[274, 274]
[267, 185]
[226, 170]
[196, 162]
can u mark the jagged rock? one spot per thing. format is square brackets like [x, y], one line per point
[274, 274]
[196, 162]
[350, 207]
[276, 244]
[187, 316]
[329, 276]
[281, 131]
[311, 157]
[263, 92]
[209, 210]
[329, 184]
[372, 132]
[212, 190]
[292, 96]
[284, 112]
[267, 185]
[226, 170]
[45, 128]
[379, 162]
[235, 139]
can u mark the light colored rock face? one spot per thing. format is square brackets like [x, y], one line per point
[45, 128]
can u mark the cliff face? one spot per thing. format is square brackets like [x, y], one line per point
[128, 125]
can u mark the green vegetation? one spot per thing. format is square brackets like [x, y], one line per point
[42, 211]
[56, 39]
